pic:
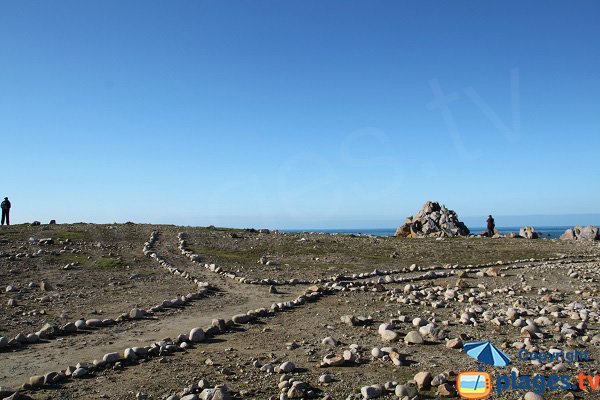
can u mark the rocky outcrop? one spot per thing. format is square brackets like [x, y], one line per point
[581, 233]
[433, 220]
[528, 232]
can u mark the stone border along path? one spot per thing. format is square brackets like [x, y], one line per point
[149, 251]
[196, 335]
[49, 331]
[218, 326]
[196, 258]
[183, 341]
[296, 388]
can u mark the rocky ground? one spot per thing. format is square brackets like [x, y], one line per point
[138, 311]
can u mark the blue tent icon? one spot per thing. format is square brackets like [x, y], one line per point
[486, 353]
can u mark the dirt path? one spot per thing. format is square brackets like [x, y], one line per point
[234, 298]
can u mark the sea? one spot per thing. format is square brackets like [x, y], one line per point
[551, 232]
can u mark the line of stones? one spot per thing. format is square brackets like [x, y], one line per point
[151, 252]
[196, 258]
[183, 341]
[50, 331]
[130, 356]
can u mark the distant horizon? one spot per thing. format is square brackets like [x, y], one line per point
[473, 222]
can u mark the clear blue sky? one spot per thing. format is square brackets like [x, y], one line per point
[297, 113]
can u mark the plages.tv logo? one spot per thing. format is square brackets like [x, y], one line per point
[475, 385]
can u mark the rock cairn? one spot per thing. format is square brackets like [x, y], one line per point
[433, 220]
[581, 233]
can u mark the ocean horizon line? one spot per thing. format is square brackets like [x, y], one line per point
[550, 231]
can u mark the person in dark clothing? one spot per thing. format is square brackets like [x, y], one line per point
[5, 211]
[490, 226]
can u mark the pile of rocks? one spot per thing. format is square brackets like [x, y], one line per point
[433, 220]
[581, 233]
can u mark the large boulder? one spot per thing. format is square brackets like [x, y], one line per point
[581, 233]
[433, 220]
[528, 232]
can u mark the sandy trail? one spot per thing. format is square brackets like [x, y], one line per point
[234, 298]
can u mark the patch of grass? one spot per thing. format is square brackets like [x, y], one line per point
[71, 235]
[108, 263]
[65, 258]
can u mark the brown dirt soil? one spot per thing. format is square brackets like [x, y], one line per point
[113, 276]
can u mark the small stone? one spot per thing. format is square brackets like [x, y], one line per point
[409, 391]
[389, 336]
[36, 381]
[287, 366]
[111, 357]
[54, 377]
[130, 355]
[80, 324]
[329, 341]
[241, 318]
[69, 328]
[94, 323]
[136, 313]
[446, 390]
[370, 392]
[413, 337]
[456, 343]
[325, 378]
[377, 353]
[349, 320]
[333, 360]
[423, 380]
[349, 356]
[45, 286]
[79, 373]
[32, 338]
[197, 335]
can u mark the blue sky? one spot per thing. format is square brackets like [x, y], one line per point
[297, 113]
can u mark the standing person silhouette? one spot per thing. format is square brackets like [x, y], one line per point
[5, 211]
[490, 226]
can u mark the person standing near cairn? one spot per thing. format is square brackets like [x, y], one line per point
[490, 226]
[5, 211]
